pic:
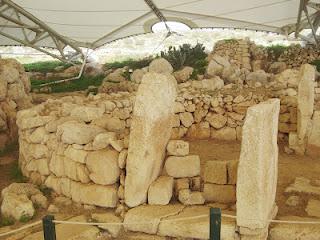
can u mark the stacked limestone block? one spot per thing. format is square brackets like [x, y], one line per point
[220, 179]
[296, 55]
[77, 146]
[236, 49]
[203, 114]
[14, 96]
[181, 177]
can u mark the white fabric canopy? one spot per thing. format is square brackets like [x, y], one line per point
[96, 22]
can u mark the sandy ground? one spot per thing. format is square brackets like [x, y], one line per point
[290, 167]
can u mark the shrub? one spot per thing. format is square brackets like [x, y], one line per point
[25, 218]
[275, 51]
[6, 221]
[317, 64]
[46, 66]
[130, 63]
[185, 55]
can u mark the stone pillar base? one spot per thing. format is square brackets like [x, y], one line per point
[258, 233]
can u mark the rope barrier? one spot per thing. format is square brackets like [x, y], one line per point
[20, 229]
[137, 223]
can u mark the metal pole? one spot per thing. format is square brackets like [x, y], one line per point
[49, 229]
[215, 223]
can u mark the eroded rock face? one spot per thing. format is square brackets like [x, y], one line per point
[14, 96]
[258, 165]
[150, 132]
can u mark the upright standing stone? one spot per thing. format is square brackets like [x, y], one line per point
[299, 140]
[258, 168]
[314, 138]
[150, 132]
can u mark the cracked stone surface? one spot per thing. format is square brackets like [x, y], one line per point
[302, 232]
[303, 185]
[194, 228]
[147, 218]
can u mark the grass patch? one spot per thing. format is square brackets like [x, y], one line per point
[76, 85]
[46, 66]
[16, 174]
[25, 218]
[130, 63]
[6, 221]
[9, 148]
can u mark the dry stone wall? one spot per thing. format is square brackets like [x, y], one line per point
[77, 146]
[14, 96]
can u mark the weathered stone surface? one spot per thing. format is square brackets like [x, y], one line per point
[232, 167]
[103, 166]
[79, 133]
[281, 231]
[216, 172]
[216, 120]
[150, 132]
[40, 135]
[188, 197]
[114, 230]
[258, 165]
[160, 191]
[180, 167]
[303, 185]
[305, 106]
[160, 65]
[17, 206]
[186, 119]
[137, 75]
[65, 232]
[314, 138]
[32, 122]
[178, 148]
[219, 193]
[77, 155]
[197, 228]
[87, 114]
[112, 124]
[226, 134]
[102, 140]
[93, 194]
[216, 65]
[313, 208]
[147, 218]
[184, 74]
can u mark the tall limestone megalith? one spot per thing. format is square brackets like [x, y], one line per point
[258, 167]
[150, 132]
[305, 107]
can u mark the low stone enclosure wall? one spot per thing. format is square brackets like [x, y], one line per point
[14, 96]
[114, 150]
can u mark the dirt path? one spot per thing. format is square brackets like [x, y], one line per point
[290, 167]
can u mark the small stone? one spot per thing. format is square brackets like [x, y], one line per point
[160, 191]
[293, 201]
[313, 208]
[178, 148]
[53, 209]
[187, 197]
[180, 167]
